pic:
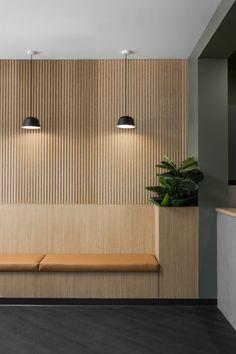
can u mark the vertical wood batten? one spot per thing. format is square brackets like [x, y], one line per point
[79, 156]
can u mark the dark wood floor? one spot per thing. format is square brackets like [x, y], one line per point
[114, 330]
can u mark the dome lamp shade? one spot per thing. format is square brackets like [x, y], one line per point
[31, 123]
[126, 122]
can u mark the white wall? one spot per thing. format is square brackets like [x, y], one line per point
[226, 266]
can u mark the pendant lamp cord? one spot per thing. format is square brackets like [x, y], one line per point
[31, 82]
[126, 56]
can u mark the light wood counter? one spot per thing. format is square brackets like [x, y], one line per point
[227, 211]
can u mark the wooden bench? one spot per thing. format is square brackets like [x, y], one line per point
[98, 251]
[79, 275]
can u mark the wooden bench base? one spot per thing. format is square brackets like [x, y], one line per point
[79, 285]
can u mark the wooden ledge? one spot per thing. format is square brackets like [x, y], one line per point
[227, 211]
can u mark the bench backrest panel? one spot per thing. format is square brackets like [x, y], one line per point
[77, 228]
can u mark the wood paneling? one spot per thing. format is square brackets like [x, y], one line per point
[79, 285]
[76, 229]
[79, 156]
[176, 247]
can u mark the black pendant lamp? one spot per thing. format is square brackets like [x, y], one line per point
[31, 122]
[125, 121]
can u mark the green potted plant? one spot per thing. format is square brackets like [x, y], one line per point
[178, 186]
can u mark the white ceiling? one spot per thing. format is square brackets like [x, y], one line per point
[77, 29]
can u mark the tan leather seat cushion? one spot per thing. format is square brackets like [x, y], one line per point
[101, 263]
[20, 262]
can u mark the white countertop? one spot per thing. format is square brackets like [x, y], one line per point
[227, 211]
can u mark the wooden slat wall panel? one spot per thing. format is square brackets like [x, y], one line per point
[80, 156]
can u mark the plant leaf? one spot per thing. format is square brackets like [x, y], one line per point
[165, 201]
[168, 183]
[166, 158]
[156, 201]
[167, 166]
[188, 164]
[156, 189]
[168, 173]
[195, 175]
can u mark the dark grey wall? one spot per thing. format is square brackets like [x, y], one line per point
[213, 159]
[207, 37]
[207, 140]
[193, 108]
[222, 42]
[232, 122]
